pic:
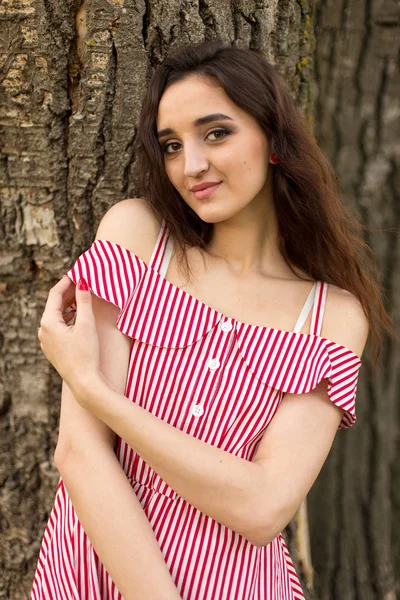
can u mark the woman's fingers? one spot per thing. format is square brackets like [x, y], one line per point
[60, 296]
[69, 315]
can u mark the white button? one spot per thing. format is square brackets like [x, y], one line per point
[213, 363]
[197, 410]
[227, 326]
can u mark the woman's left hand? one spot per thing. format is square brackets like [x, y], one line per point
[72, 349]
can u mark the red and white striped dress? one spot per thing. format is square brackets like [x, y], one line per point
[215, 378]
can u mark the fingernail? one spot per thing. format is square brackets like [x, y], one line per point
[82, 285]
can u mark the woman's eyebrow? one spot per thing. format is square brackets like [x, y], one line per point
[197, 123]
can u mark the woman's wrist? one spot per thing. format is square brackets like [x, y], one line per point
[86, 385]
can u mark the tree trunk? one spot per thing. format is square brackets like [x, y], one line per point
[354, 506]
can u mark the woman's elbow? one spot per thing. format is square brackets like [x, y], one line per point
[61, 455]
[259, 536]
[262, 528]
[255, 527]
[262, 537]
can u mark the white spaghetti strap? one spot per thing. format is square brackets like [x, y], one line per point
[162, 251]
[306, 309]
[157, 250]
[166, 257]
[319, 308]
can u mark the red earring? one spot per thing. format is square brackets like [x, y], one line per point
[274, 159]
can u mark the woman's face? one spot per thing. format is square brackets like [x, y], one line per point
[232, 151]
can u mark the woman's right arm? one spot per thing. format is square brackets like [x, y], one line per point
[101, 494]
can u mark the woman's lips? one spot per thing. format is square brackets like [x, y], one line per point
[201, 194]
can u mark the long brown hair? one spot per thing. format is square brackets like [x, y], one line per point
[317, 233]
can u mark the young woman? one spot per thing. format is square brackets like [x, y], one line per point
[197, 411]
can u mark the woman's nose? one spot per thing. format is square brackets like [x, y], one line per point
[195, 162]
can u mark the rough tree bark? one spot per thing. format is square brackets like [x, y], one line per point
[73, 76]
[355, 504]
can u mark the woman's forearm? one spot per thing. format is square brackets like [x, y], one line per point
[223, 486]
[116, 524]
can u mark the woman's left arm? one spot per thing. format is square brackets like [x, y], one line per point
[256, 499]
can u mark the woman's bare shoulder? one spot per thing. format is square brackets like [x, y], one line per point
[344, 320]
[133, 224]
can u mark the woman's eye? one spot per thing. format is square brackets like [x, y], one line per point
[215, 131]
[166, 146]
[224, 131]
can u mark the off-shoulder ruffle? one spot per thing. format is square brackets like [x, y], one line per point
[157, 312]
[296, 363]
[111, 272]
